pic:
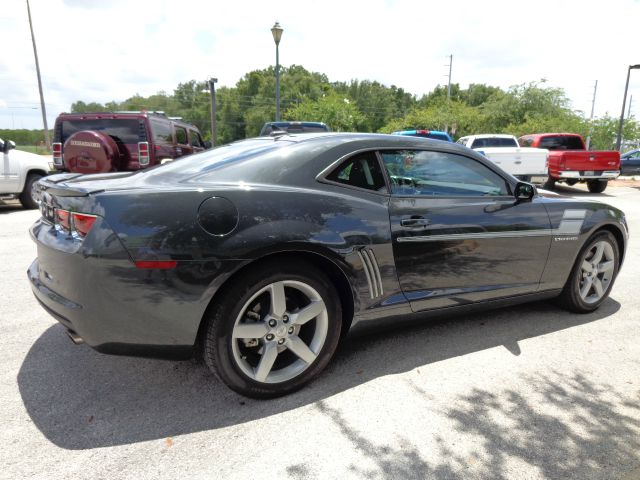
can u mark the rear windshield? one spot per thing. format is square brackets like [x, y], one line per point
[494, 142]
[126, 130]
[220, 157]
[561, 142]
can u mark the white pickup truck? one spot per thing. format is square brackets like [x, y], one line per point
[527, 164]
[19, 174]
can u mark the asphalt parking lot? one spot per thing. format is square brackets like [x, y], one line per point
[526, 392]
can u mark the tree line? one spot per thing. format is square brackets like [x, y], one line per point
[365, 106]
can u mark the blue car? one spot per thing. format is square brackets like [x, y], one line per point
[435, 134]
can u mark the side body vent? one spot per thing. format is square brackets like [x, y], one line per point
[371, 271]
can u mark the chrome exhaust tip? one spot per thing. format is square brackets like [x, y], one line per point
[75, 338]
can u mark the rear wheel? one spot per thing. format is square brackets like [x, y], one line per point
[593, 274]
[29, 196]
[550, 184]
[597, 186]
[275, 330]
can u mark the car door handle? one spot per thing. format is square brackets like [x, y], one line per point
[415, 221]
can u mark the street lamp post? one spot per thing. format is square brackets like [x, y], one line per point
[624, 101]
[276, 31]
[214, 123]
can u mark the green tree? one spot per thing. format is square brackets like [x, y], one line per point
[338, 112]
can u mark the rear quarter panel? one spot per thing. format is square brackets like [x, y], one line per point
[572, 224]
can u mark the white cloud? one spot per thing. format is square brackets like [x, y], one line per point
[110, 50]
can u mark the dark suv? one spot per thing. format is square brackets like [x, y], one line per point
[121, 141]
[293, 127]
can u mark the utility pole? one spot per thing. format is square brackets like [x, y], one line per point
[214, 123]
[449, 85]
[47, 140]
[593, 104]
[630, 102]
[446, 125]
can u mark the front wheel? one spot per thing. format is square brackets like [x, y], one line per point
[596, 186]
[29, 196]
[593, 274]
[275, 330]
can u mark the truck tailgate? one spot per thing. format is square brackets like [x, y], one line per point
[518, 161]
[588, 161]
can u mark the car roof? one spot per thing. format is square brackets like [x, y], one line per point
[296, 122]
[490, 135]
[287, 159]
[124, 114]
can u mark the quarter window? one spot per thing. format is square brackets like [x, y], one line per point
[418, 172]
[362, 171]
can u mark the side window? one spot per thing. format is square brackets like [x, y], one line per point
[196, 141]
[362, 171]
[419, 172]
[161, 132]
[181, 135]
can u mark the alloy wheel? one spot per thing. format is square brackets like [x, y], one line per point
[280, 331]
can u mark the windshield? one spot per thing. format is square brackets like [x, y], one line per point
[126, 130]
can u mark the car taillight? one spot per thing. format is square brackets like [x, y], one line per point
[75, 223]
[143, 153]
[62, 218]
[57, 154]
[422, 132]
[82, 223]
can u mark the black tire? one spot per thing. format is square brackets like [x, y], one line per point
[550, 184]
[597, 186]
[26, 197]
[218, 343]
[570, 298]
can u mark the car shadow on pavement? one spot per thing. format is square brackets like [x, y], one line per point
[80, 399]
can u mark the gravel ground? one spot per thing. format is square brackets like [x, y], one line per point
[528, 392]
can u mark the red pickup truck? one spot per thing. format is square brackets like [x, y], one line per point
[571, 162]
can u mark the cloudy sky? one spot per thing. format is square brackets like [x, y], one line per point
[102, 50]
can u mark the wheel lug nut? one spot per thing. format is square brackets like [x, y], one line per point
[270, 337]
[272, 323]
[281, 341]
[290, 330]
[285, 319]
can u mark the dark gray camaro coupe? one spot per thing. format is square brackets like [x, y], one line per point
[259, 255]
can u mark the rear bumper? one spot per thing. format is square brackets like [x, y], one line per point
[582, 175]
[537, 179]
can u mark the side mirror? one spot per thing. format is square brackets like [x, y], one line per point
[6, 146]
[524, 192]
[207, 144]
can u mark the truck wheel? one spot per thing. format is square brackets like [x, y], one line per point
[597, 186]
[550, 184]
[29, 196]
